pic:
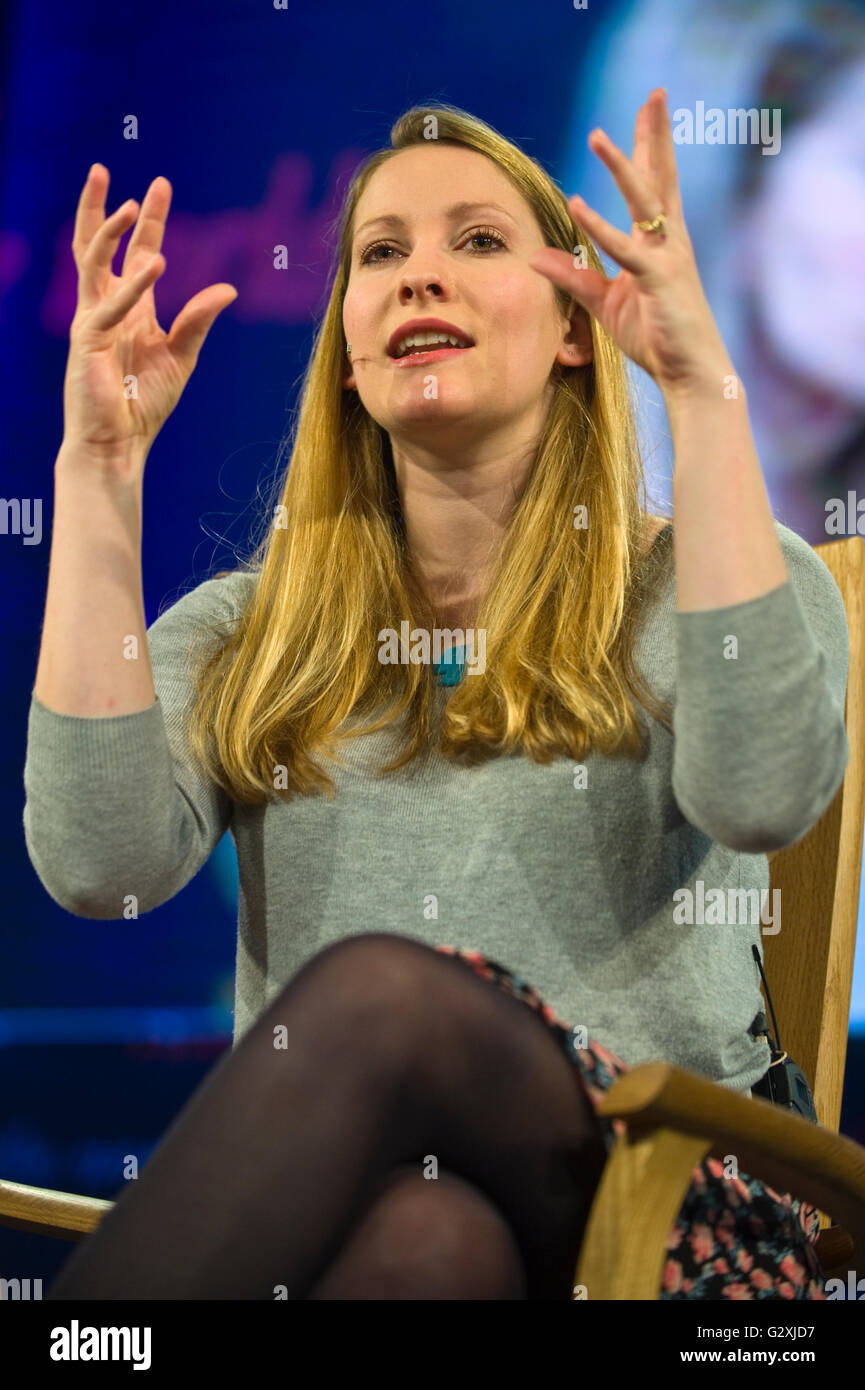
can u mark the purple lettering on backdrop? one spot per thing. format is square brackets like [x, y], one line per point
[235, 245]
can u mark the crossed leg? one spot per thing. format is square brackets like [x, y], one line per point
[379, 1054]
[427, 1238]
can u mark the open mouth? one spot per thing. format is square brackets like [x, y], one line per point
[429, 352]
[427, 343]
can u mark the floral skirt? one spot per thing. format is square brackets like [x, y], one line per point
[734, 1238]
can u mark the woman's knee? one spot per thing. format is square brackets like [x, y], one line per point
[380, 965]
[427, 1238]
[369, 988]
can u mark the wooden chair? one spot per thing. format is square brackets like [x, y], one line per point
[675, 1118]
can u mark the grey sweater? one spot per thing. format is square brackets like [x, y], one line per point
[616, 899]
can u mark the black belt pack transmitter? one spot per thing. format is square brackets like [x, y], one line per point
[785, 1082]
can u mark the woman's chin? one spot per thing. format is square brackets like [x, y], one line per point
[438, 412]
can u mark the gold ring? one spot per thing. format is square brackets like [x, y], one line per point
[653, 224]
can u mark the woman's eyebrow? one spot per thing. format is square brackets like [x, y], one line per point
[458, 210]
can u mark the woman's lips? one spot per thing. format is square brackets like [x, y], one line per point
[419, 358]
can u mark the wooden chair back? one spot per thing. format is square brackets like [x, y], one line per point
[809, 962]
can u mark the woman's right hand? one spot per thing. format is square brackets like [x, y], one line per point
[124, 375]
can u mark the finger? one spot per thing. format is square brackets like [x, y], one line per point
[622, 248]
[149, 230]
[588, 287]
[90, 213]
[664, 170]
[96, 263]
[641, 198]
[642, 156]
[109, 312]
[193, 323]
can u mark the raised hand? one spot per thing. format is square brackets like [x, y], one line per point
[124, 375]
[656, 309]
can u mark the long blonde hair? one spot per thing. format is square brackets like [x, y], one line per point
[560, 612]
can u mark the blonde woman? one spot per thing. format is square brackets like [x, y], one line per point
[461, 900]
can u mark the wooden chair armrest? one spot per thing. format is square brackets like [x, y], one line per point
[782, 1149]
[42, 1211]
[673, 1121]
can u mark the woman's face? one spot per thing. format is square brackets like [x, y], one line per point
[416, 254]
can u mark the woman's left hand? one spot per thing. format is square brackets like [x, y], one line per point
[655, 310]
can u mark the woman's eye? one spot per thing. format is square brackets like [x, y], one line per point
[368, 256]
[484, 235]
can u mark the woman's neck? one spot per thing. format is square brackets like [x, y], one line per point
[455, 602]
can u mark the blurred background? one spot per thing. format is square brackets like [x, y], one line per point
[258, 114]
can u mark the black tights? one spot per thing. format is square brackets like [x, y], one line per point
[304, 1165]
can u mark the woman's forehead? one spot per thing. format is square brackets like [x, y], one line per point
[427, 180]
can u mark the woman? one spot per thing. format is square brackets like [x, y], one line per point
[402, 1116]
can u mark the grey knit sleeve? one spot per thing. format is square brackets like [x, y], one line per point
[760, 745]
[119, 815]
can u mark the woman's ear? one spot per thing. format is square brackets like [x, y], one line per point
[576, 347]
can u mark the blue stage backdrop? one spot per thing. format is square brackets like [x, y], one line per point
[258, 113]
